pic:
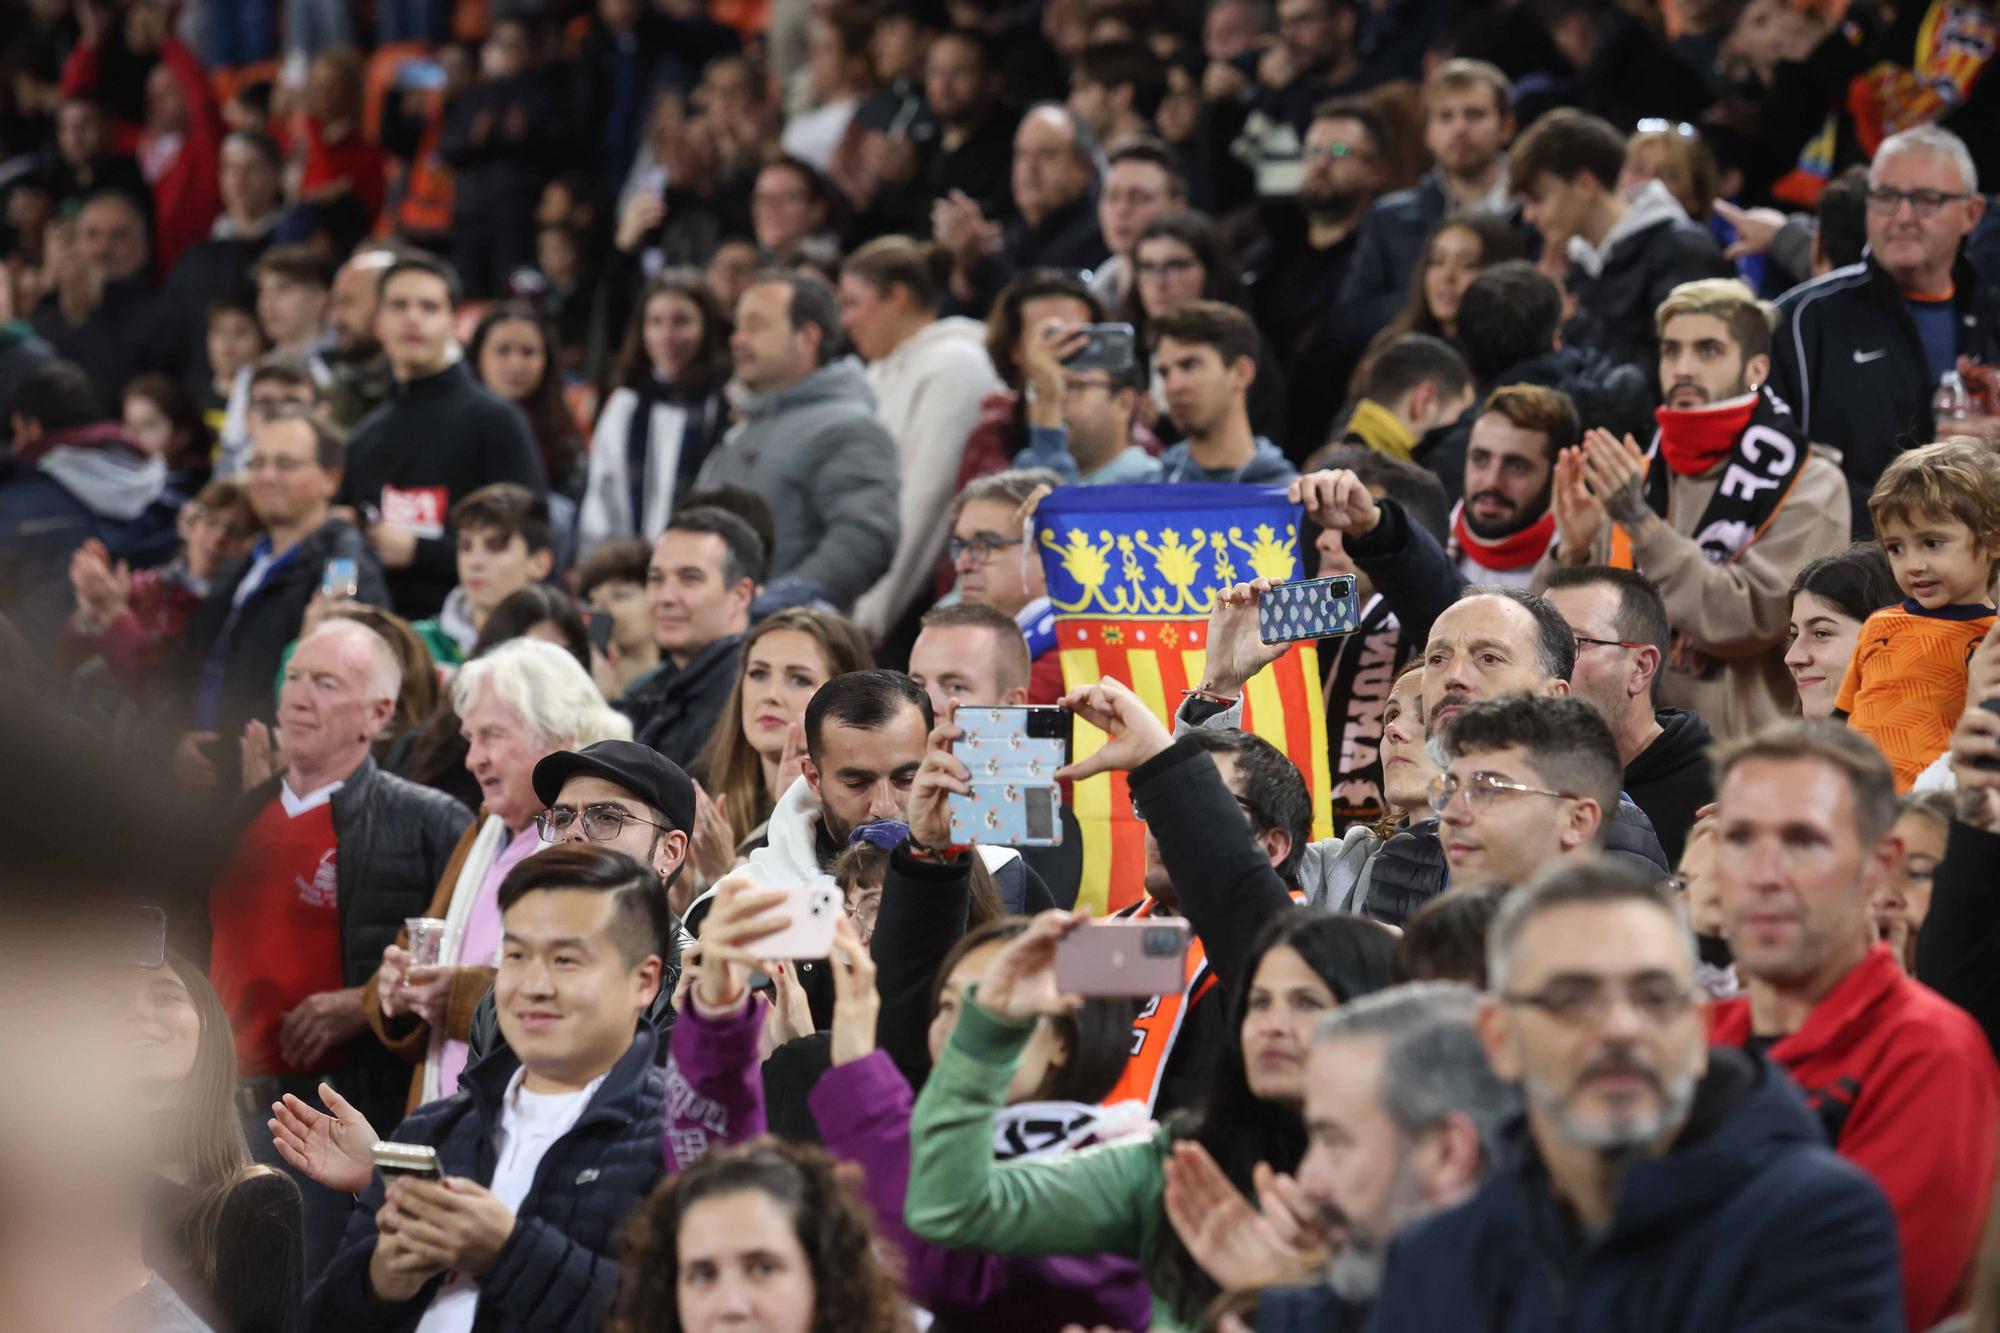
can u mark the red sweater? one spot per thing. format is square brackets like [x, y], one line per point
[1906, 1086]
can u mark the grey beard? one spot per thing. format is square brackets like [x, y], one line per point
[1356, 1274]
[1617, 1143]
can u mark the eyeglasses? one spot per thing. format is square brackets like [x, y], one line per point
[1481, 789]
[1654, 125]
[1585, 1002]
[980, 546]
[1335, 150]
[865, 907]
[1607, 643]
[1165, 268]
[1924, 203]
[601, 823]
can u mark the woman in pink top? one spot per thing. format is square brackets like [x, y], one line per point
[519, 702]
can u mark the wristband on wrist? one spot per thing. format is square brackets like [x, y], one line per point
[1225, 700]
[939, 856]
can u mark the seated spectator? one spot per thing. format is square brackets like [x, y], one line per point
[1835, 1010]
[1898, 909]
[810, 443]
[1110, 1201]
[1054, 222]
[1859, 353]
[226, 1232]
[1457, 251]
[232, 342]
[1830, 600]
[134, 620]
[70, 478]
[362, 377]
[1446, 940]
[1936, 513]
[1506, 524]
[1080, 420]
[928, 375]
[100, 310]
[1261, 101]
[611, 582]
[515, 353]
[339, 167]
[1621, 632]
[705, 571]
[437, 439]
[667, 414]
[1728, 548]
[758, 748]
[792, 202]
[838, 78]
[1416, 384]
[1179, 259]
[1786, 1231]
[1024, 306]
[82, 156]
[356, 850]
[548, 1207]
[1955, 952]
[1468, 119]
[862, 1108]
[961, 142]
[986, 525]
[161, 419]
[1206, 357]
[1142, 181]
[238, 634]
[741, 1208]
[1115, 88]
[516, 704]
[504, 545]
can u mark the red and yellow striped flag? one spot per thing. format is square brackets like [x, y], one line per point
[1131, 573]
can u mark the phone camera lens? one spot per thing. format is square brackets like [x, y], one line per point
[1161, 942]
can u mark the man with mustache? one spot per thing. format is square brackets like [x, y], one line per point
[1649, 1173]
[1720, 512]
[1504, 526]
[1903, 1081]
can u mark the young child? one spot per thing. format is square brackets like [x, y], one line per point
[1937, 517]
[504, 544]
[234, 341]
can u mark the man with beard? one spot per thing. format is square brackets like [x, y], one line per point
[1649, 1173]
[362, 379]
[1903, 1081]
[1721, 513]
[1504, 526]
[1468, 119]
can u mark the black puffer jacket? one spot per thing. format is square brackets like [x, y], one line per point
[559, 1268]
[393, 839]
[673, 709]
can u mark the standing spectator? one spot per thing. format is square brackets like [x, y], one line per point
[1142, 181]
[809, 442]
[1468, 121]
[1054, 224]
[1595, 1014]
[250, 178]
[611, 581]
[177, 149]
[504, 138]
[101, 310]
[790, 203]
[528, 1229]
[1622, 635]
[293, 283]
[1625, 255]
[440, 437]
[515, 352]
[705, 571]
[71, 477]
[362, 379]
[659, 425]
[84, 159]
[1859, 352]
[972, 150]
[1206, 355]
[929, 376]
[330, 856]
[1830, 600]
[257, 606]
[1732, 505]
[1260, 103]
[339, 170]
[1903, 1081]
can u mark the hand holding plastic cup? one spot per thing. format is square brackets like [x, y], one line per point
[426, 935]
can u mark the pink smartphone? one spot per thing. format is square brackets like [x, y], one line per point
[813, 908]
[1124, 958]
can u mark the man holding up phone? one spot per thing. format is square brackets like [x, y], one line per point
[1080, 409]
[550, 1142]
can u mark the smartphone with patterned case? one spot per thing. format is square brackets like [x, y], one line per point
[1308, 609]
[1013, 753]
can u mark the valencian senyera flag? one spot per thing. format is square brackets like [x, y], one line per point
[1131, 573]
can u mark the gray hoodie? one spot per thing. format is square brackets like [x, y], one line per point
[816, 451]
[115, 483]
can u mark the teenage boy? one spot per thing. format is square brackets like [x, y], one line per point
[1207, 358]
[504, 545]
[1936, 512]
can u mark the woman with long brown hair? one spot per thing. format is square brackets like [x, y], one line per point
[755, 750]
[1457, 250]
[227, 1233]
[515, 352]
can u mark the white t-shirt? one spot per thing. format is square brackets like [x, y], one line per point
[530, 1122]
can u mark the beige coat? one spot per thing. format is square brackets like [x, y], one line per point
[1735, 613]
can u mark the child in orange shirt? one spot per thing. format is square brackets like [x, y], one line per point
[1937, 516]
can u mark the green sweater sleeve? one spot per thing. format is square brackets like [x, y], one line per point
[1101, 1200]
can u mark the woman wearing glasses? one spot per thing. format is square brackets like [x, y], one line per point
[516, 704]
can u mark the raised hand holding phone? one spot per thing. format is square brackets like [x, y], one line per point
[1020, 983]
[744, 911]
[940, 777]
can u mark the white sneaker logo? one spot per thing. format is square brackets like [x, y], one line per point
[1863, 358]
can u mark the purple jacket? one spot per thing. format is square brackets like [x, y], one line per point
[714, 1097]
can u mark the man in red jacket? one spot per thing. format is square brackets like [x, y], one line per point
[1902, 1079]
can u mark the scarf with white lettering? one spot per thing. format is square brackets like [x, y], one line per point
[1759, 468]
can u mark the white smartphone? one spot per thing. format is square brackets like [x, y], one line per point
[813, 908]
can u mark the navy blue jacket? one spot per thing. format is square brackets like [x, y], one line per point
[559, 1270]
[1748, 1224]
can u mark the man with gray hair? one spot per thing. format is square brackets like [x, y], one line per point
[1652, 1182]
[1859, 353]
[330, 857]
[1054, 184]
